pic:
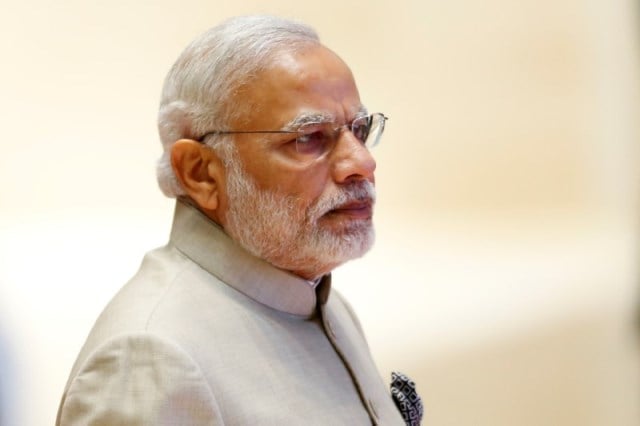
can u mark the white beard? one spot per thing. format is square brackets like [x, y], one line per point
[272, 226]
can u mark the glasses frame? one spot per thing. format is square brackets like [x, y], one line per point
[337, 129]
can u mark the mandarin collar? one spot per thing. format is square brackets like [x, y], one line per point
[205, 243]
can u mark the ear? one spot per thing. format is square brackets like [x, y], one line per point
[199, 171]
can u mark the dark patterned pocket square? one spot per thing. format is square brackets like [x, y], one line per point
[403, 392]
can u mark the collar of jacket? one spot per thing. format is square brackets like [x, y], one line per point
[205, 243]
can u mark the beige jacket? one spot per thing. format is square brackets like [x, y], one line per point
[206, 334]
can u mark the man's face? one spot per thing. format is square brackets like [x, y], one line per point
[303, 215]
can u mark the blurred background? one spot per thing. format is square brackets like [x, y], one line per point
[505, 276]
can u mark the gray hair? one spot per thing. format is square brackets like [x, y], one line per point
[198, 92]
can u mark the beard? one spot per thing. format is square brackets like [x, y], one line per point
[273, 227]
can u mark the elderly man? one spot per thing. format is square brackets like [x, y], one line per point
[266, 148]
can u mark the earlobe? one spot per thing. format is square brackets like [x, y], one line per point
[198, 171]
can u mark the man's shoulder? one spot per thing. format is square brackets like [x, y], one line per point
[133, 306]
[163, 294]
[137, 378]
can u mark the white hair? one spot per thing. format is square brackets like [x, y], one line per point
[198, 92]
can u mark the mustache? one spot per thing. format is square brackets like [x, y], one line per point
[360, 191]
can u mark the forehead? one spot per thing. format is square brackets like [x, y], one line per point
[313, 81]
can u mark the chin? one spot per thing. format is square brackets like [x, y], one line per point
[348, 245]
[327, 251]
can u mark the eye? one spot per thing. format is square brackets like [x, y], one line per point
[312, 139]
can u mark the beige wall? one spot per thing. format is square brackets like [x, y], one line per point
[505, 273]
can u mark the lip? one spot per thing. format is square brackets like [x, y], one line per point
[354, 209]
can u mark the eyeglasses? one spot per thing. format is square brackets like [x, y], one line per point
[314, 139]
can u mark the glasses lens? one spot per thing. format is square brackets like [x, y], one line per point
[360, 128]
[314, 139]
[375, 128]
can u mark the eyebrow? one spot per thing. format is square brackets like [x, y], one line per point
[306, 118]
[319, 117]
[360, 111]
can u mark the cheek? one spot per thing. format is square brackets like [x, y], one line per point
[310, 186]
[304, 184]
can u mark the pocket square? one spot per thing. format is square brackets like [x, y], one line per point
[403, 392]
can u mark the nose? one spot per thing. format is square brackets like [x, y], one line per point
[352, 160]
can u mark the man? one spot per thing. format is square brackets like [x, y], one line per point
[234, 322]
